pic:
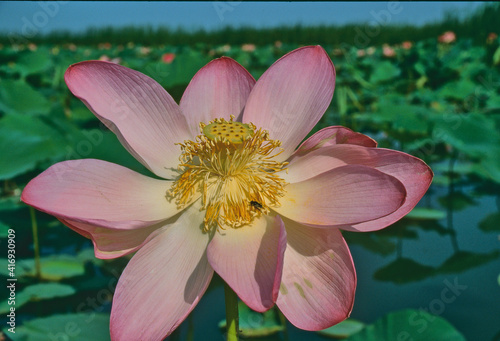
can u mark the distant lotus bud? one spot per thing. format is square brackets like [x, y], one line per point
[361, 53]
[388, 51]
[371, 50]
[491, 37]
[407, 45]
[248, 47]
[447, 37]
[168, 57]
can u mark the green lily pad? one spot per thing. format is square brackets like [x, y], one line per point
[491, 223]
[24, 142]
[403, 270]
[370, 241]
[458, 90]
[4, 230]
[71, 327]
[457, 201]
[403, 117]
[496, 57]
[253, 324]
[54, 268]
[34, 62]
[426, 214]
[343, 329]
[36, 292]
[464, 260]
[473, 134]
[384, 71]
[408, 325]
[18, 97]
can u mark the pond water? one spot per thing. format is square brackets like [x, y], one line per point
[468, 298]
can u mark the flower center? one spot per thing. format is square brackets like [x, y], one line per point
[231, 165]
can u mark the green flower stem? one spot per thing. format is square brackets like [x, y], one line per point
[232, 319]
[36, 245]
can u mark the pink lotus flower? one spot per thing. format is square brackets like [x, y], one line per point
[230, 207]
[492, 36]
[248, 47]
[361, 53]
[447, 37]
[168, 57]
[105, 58]
[388, 51]
[406, 45]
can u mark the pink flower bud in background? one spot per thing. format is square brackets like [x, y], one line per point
[361, 53]
[112, 60]
[388, 51]
[447, 37]
[491, 37]
[407, 45]
[168, 57]
[248, 47]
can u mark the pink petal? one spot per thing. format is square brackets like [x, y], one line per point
[113, 243]
[250, 260]
[220, 89]
[163, 282]
[136, 108]
[100, 193]
[412, 172]
[345, 195]
[292, 95]
[319, 279]
[334, 135]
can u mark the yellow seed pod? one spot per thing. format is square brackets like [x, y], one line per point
[234, 132]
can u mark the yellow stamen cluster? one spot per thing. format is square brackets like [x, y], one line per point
[231, 166]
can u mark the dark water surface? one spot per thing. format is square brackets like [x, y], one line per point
[467, 298]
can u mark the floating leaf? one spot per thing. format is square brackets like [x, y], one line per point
[432, 225]
[403, 117]
[425, 213]
[403, 270]
[24, 142]
[253, 324]
[384, 71]
[18, 97]
[464, 260]
[38, 292]
[4, 230]
[34, 62]
[458, 90]
[74, 327]
[409, 324]
[371, 241]
[54, 268]
[343, 329]
[491, 223]
[457, 201]
[473, 134]
[496, 57]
